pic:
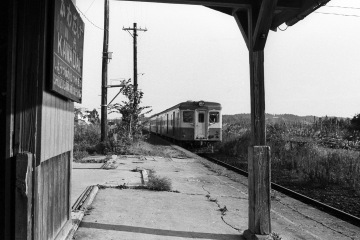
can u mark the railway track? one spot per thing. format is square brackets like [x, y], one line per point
[319, 205]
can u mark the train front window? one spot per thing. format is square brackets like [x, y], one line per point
[214, 117]
[188, 116]
[201, 117]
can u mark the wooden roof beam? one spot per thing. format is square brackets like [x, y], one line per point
[263, 23]
[242, 18]
[289, 4]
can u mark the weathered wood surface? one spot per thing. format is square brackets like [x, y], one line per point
[52, 203]
[254, 24]
[23, 196]
[57, 126]
[259, 190]
[257, 94]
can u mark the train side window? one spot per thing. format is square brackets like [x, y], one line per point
[201, 117]
[188, 116]
[214, 117]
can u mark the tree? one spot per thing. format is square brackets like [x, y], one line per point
[131, 126]
[355, 122]
[78, 115]
[92, 116]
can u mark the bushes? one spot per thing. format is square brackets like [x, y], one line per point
[236, 146]
[303, 160]
[86, 136]
[157, 183]
[127, 131]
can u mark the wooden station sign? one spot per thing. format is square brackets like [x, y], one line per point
[67, 50]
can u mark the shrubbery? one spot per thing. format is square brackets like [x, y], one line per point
[86, 135]
[297, 151]
[125, 132]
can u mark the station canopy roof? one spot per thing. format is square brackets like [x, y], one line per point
[286, 11]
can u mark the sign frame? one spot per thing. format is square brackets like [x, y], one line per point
[66, 50]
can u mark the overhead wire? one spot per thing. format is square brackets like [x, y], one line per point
[89, 6]
[356, 8]
[341, 14]
[88, 19]
[336, 14]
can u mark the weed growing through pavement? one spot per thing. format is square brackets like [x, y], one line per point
[157, 183]
[122, 186]
[275, 236]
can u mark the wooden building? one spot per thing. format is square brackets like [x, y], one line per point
[36, 110]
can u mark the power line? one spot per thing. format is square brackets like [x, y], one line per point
[89, 6]
[343, 7]
[88, 19]
[339, 14]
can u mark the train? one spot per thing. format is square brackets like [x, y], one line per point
[195, 123]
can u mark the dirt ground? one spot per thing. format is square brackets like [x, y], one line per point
[156, 146]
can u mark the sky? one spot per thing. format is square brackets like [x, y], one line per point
[195, 53]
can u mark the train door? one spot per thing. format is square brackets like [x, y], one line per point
[200, 129]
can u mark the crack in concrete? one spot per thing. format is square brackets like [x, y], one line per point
[224, 196]
[222, 210]
[192, 194]
[313, 219]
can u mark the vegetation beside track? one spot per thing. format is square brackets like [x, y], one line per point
[319, 159]
[123, 133]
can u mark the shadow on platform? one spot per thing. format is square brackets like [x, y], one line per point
[161, 232]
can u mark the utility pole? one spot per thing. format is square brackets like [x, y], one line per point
[105, 59]
[134, 36]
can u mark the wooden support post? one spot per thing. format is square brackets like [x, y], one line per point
[104, 78]
[254, 23]
[257, 96]
[24, 196]
[259, 193]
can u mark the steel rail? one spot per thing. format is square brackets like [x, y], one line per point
[319, 205]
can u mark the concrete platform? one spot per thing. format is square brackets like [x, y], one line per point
[211, 203]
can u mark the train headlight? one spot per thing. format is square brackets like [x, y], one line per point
[201, 103]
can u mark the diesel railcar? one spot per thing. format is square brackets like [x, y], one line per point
[191, 122]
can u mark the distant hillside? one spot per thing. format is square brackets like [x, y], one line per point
[245, 117]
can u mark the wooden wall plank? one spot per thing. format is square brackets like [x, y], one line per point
[68, 185]
[45, 200]
[61, 127]
[24, 196]
[71, 123]
[50, 205]
[37, 205]
[53, 121]
[62, 210]
[47, 132]
[57, 123]
[55, 196]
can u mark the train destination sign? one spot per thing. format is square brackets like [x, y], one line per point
[67, 54]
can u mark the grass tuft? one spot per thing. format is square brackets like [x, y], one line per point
[157, 183]
[275, 236]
